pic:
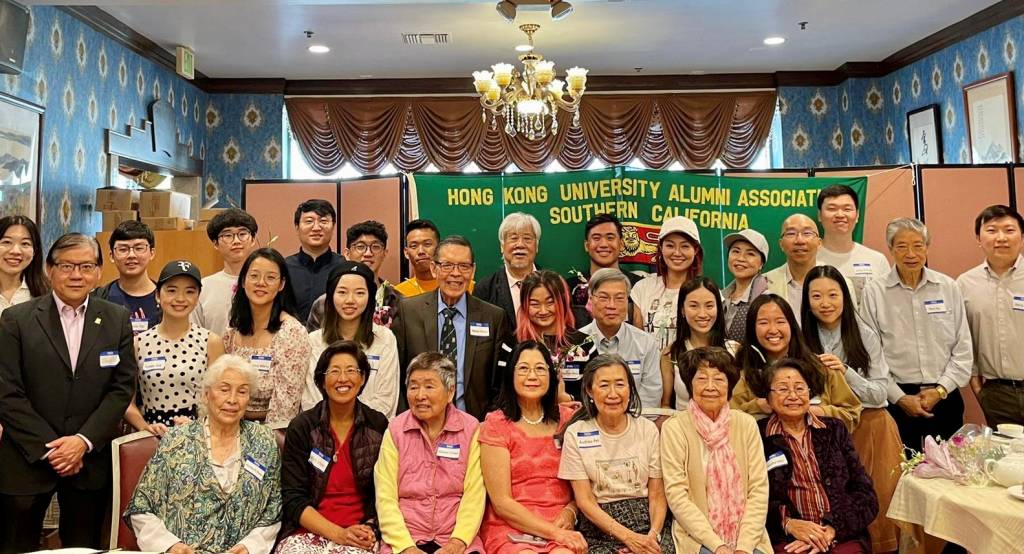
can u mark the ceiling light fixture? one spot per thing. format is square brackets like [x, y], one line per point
[318, 49]
[560, 10]
[506, 10]
[524, 48]
[529, 101]
[774, 41]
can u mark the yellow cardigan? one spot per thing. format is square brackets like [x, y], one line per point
[682, 466]
[837, 400]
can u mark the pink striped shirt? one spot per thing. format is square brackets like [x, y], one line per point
[73, 322]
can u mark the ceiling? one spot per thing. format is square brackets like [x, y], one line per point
[264, 38]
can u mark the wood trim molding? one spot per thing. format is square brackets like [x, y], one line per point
[989, 17]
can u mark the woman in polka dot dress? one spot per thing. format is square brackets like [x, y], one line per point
[173, 355]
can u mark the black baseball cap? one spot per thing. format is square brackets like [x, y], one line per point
[347, 267]
[179, 267]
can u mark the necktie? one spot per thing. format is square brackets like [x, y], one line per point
[449, 347]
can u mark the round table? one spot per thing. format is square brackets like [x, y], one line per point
[981, 519]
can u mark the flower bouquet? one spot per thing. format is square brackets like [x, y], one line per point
[960, 459]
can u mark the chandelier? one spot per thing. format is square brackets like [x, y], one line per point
[528, 102]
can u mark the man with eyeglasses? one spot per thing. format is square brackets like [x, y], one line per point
[609, 296]
[310, 266]
[66, 376]
[838, 212]
[132, 247]
[920, 317]
[233, 234]
[469, 331]
[519, 238]
[800, 241]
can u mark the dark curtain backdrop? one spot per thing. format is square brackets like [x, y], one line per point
[694, 129]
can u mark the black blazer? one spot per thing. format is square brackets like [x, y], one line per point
[42, 400]
[494, 290]
[415, 329]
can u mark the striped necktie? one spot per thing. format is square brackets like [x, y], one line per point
[449, 346]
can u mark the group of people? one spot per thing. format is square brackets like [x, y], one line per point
[446, 414]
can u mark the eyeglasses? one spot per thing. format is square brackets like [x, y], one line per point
[361, 247]
[539, 371]
[269, 278]
[311, 221]
[347, 372]
[448, 267]
[229, 237]
[602, 298]
[68, 268]
[806, 235]
[125, 250]
[799, 390]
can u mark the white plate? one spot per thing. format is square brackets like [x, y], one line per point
[1016, 492]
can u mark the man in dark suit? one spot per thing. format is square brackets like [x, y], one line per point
[67, 372]
[469, 331]
[519, 237]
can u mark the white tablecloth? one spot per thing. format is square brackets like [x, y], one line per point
[981, 519]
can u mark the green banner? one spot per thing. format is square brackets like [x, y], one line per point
[474, 205]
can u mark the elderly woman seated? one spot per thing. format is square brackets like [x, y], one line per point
[611, 456]
[820, 499]
[712, 463]
[213, 484]
[430, 491]
[327, 467]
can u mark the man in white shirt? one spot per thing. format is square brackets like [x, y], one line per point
[609, 295]
[233, 234]
[838, 212]
[519, 236]
[920, 318]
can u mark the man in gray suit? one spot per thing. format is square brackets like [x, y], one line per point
[67, 371]
[468, 330]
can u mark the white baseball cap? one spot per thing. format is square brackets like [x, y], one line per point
[753, 237]
[679, 224]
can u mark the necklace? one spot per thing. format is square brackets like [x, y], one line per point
[537, 421]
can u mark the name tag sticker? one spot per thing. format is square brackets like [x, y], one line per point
[935, 306]
[448, 451]
[153, 363]
[479, 329]
[863, 269]
[374, 361]
[109, 358]
[261, 363]
[139, 325]
[254, 468]
[588, 439]
[1018, 303]
[816, 401]
[571, 372]
[319, 460]
[776, 460]
[634, 367]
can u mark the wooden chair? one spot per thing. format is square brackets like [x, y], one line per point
[130, 454]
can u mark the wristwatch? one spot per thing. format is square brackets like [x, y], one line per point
[943, 393]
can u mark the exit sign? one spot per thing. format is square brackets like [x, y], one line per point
[186, 62]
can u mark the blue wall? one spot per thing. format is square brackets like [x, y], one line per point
[89, 83]
[812, 117]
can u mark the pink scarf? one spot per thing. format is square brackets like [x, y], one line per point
[726, 502]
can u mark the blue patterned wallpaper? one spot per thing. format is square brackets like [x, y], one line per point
[863, 121]
[89, 83]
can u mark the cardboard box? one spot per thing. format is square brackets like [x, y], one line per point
[206, 214]
[116, 200]
[111, 219]
[164, 203]
[166, 223]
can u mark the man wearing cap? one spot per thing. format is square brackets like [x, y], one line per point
[747, 253]
[800, 241]
[469, 331]
[838, 213]
[602, 240]
[519, 237]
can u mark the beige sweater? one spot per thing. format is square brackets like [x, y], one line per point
[837, 400]
[682, 463]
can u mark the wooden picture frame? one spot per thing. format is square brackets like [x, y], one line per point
[990, 112]
[924, 135]
[21, 137]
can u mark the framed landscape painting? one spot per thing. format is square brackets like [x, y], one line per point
[991, 120]
[21, 131]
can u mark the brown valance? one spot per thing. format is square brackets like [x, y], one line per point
[693, 128]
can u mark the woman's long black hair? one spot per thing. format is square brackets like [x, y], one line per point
[284, 301]
[717, 335]
[857, 355]
[33, 275]
[508, 400]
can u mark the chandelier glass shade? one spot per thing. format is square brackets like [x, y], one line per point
[528, 101]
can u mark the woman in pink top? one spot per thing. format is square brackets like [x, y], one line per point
[530, 508]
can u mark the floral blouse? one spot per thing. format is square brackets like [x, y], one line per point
[279, 392]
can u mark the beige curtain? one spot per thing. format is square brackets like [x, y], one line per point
[694, 129]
